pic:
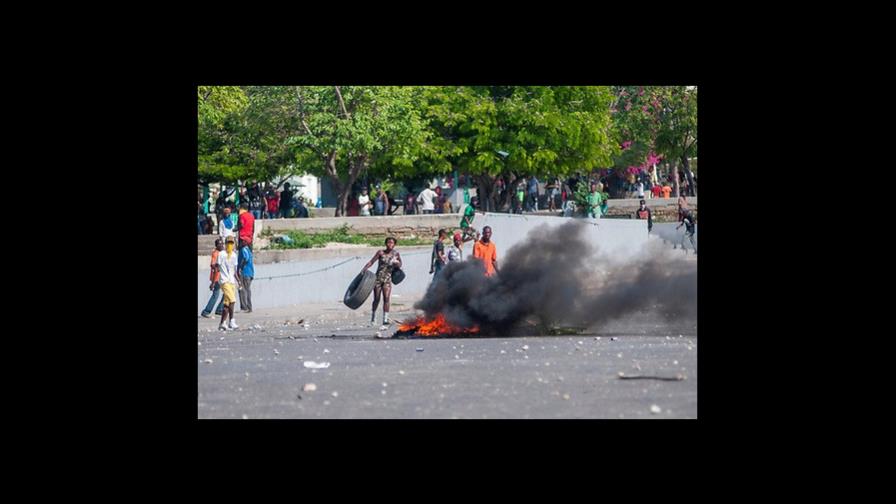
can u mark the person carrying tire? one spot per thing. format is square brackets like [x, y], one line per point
[388, 259]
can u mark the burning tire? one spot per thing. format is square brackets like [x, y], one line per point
[359, 290]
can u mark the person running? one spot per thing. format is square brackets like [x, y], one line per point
[595, 198]
[215, 277]
[388, 259]
[644, 213]
[484, 250]
[438, 260]
[466, 221]
[245, 274]
[690, 223]
[227, 265]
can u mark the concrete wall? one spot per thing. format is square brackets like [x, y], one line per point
[620, 238]
[359, 224]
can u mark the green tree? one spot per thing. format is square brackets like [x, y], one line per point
[219, 108]
[508, 132]
[660, 118]
[344, 130]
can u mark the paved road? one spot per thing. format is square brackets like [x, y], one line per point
[254, 374]
[257, 371]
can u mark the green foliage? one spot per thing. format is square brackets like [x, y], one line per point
[546, 130]
[300, 240]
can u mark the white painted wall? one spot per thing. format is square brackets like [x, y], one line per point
[619, 238]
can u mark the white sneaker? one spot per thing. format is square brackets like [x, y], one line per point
[233, 324]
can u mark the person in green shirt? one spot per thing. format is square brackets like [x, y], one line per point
[520, 196]
[605, 197]
[595, 198]
[466, 221]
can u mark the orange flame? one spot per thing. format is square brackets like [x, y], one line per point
[435, 327]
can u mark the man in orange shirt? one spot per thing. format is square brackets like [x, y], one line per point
[484, 250]
[667, 191]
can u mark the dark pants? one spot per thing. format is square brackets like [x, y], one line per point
[246, 293]
[533, 201]
[211, 301]
[690, 236]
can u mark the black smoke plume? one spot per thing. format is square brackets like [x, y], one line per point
[555, 277]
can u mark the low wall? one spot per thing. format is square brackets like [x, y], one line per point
[322, 279]
[400, 226]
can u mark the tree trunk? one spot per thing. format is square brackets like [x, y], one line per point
[342, 199]
[692, 187]
[675, 179]
[485, 186]
[506, 200]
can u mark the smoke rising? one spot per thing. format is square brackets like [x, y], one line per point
[555, 277]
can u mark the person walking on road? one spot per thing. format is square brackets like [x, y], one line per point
[245, 274]
[387, 260]
[438, 260]
[227, 265]
[456, 251]
[215, 286]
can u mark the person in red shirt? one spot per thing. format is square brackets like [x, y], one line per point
[484, 250]
[273, 204]
[246, 225]
[656, 190]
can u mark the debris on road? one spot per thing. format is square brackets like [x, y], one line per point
[316, 365]
[276, 352]
[623, 376]
[613, 338]
[655, 409]
[309, 387]
[208, 361]
[326, 350]
[419, 349]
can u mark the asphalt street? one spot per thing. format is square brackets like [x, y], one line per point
[259, 370]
